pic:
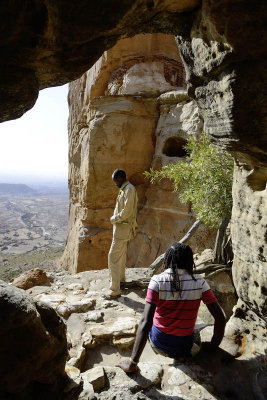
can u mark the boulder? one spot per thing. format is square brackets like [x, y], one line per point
[33, 349]
[149, 374]
[96, 377]
[77, 361]
[123, 342]
[33, 277]
[222, 286]
[174, 97]
[93, 316]
[66, 305]
[123, 326]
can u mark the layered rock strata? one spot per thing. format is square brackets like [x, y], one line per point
[134, 123]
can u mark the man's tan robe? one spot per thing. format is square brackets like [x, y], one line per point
[124, 229]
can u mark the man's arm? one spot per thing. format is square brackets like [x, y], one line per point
[141, 338]
[219, 326]
[128, 207]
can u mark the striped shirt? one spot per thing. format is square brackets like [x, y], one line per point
[176, 313]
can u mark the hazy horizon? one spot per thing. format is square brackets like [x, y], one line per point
[35, 179]
[34, 148]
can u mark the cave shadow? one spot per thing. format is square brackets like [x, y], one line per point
[95, 356]
[231, 378]
[131, 303]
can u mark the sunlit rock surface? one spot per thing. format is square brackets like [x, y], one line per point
[33, 277]
[235, 371]
[140, 119]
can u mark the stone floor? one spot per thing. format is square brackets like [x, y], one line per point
[101, 333]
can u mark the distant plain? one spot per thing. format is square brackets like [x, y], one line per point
[33, 226]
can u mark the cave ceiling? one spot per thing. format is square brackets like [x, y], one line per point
[46, 43]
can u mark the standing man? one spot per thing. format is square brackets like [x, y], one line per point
[124, 229]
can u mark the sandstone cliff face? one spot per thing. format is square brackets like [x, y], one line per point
[134, 123]
[249, 221]
[119, 132]
[223, 45]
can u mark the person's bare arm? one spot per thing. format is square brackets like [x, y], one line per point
[141, 338]
[219, 326]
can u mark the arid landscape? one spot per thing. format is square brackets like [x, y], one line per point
[33, 226]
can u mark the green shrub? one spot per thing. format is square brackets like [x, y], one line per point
[204, 179]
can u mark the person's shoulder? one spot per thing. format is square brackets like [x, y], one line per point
[196, 276]
[157, 277]
[130, 187]
[163, 275]
[199, 278]
[153, 283]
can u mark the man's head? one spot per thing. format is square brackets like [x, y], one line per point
[119, 177]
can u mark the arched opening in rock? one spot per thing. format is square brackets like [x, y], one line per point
[214, 56]
[174, 147]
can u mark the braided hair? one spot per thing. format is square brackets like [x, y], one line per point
[179, 256]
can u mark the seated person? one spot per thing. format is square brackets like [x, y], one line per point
[172, 303]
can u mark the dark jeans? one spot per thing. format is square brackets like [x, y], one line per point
[170, 345]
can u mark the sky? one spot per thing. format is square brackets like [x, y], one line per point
[36, 145]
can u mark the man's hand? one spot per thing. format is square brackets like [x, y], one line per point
[127, 366]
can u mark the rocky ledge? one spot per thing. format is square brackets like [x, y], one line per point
[101, 333]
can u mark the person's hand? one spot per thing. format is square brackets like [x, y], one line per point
[112, 219]
[208, 347]
[127, 366]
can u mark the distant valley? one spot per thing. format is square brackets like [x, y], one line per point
[33, 221]
[15, 188]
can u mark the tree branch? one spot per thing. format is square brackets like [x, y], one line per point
[158, 262]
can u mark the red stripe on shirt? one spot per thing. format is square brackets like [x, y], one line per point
[208, 297]
[177, 317]
[152, 296]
